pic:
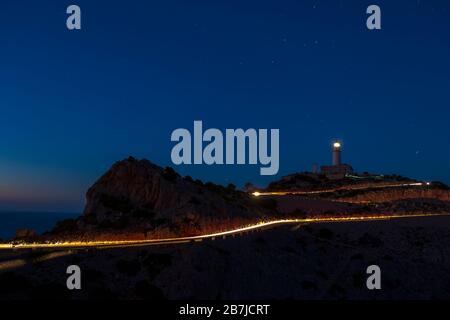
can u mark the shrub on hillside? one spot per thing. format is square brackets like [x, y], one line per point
[170, 175]
[67, 225]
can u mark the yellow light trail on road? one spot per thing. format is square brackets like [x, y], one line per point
[256, 226]
[293, 192]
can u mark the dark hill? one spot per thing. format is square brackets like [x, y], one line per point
[137, 195]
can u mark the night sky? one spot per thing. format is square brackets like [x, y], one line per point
[74, 102]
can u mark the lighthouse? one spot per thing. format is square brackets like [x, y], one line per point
[337, 170]
[336, 153]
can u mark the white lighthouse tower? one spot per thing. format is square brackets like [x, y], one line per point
[337, 170]
[336, 153]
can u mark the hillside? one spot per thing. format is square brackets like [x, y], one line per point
[317, 261]
[138, 199]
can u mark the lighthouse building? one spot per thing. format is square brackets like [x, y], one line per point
[337, 170]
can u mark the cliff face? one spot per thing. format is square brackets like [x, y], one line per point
[141, 190]
[135, 185]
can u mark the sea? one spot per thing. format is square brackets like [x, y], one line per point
[38, 221]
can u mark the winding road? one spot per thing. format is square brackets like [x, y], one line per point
[212, 236]
[356, 187]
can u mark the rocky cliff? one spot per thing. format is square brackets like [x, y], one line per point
[139, 193]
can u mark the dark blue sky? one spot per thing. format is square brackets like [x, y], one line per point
[73, 103]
